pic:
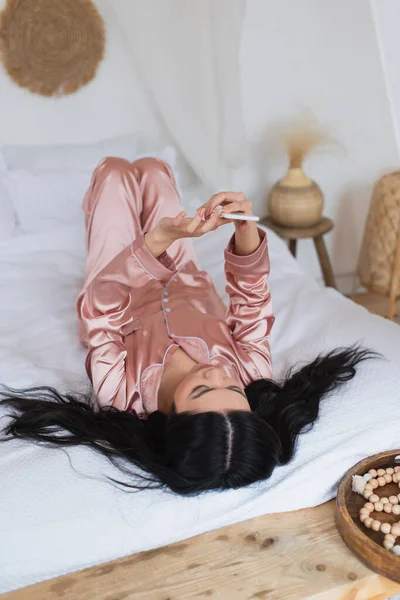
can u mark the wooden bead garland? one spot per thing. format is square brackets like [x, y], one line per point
[366, 485]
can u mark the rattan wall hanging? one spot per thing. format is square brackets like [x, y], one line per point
[379, 261]
[51, 47]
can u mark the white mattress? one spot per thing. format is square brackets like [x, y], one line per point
[57, 512]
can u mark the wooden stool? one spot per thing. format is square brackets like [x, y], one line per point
[316, 232]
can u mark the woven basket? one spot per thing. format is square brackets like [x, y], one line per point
[379, 260]
[51, 47]
[296, 201]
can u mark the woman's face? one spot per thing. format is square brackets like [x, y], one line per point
[209, 388]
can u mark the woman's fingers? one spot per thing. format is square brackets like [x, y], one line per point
[179, 218]
[233, 207]
[195, 222]
[195, 226]
[241, 225]
[211, 223]
[244, 206]
[223, 221]
[222, 198]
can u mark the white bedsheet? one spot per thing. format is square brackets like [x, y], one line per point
[57, 512]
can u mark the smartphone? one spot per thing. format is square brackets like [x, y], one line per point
[239, 217]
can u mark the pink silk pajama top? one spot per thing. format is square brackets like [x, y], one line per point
[139, 309]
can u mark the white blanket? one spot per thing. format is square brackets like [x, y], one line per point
[59, 514]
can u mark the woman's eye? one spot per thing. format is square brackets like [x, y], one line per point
[239, 390]
[199, 388]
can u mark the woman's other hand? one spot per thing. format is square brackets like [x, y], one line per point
[247, 237]
[175, 228]
[170, 229]
[230, 202]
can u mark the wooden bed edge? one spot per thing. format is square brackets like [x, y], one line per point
[293, 555]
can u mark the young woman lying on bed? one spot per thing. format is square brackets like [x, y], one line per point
[182, 386]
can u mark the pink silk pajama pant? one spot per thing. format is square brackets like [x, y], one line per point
[125, 200]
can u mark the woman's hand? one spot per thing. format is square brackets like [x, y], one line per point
[230, 202]
[247, 237]
[175, 228]
[170, 229]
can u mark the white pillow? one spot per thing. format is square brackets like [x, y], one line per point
[79, 157]
[7, 213]
[46, 199]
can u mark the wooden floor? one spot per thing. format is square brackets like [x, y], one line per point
[286, 556]
[376, 304]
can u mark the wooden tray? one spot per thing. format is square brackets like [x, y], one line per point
[366, 543]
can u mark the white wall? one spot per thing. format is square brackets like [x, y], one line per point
[295, 53]
[112, 104]
[324, 56]
[386, 15]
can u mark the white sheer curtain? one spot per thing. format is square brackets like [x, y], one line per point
[187, 54]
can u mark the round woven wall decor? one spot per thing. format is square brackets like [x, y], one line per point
[51, 47]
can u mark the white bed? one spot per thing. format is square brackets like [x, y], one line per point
[59, 514]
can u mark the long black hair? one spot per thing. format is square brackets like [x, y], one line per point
[188, 453]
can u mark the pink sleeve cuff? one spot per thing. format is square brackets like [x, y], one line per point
[257, 262]
[158, 268]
